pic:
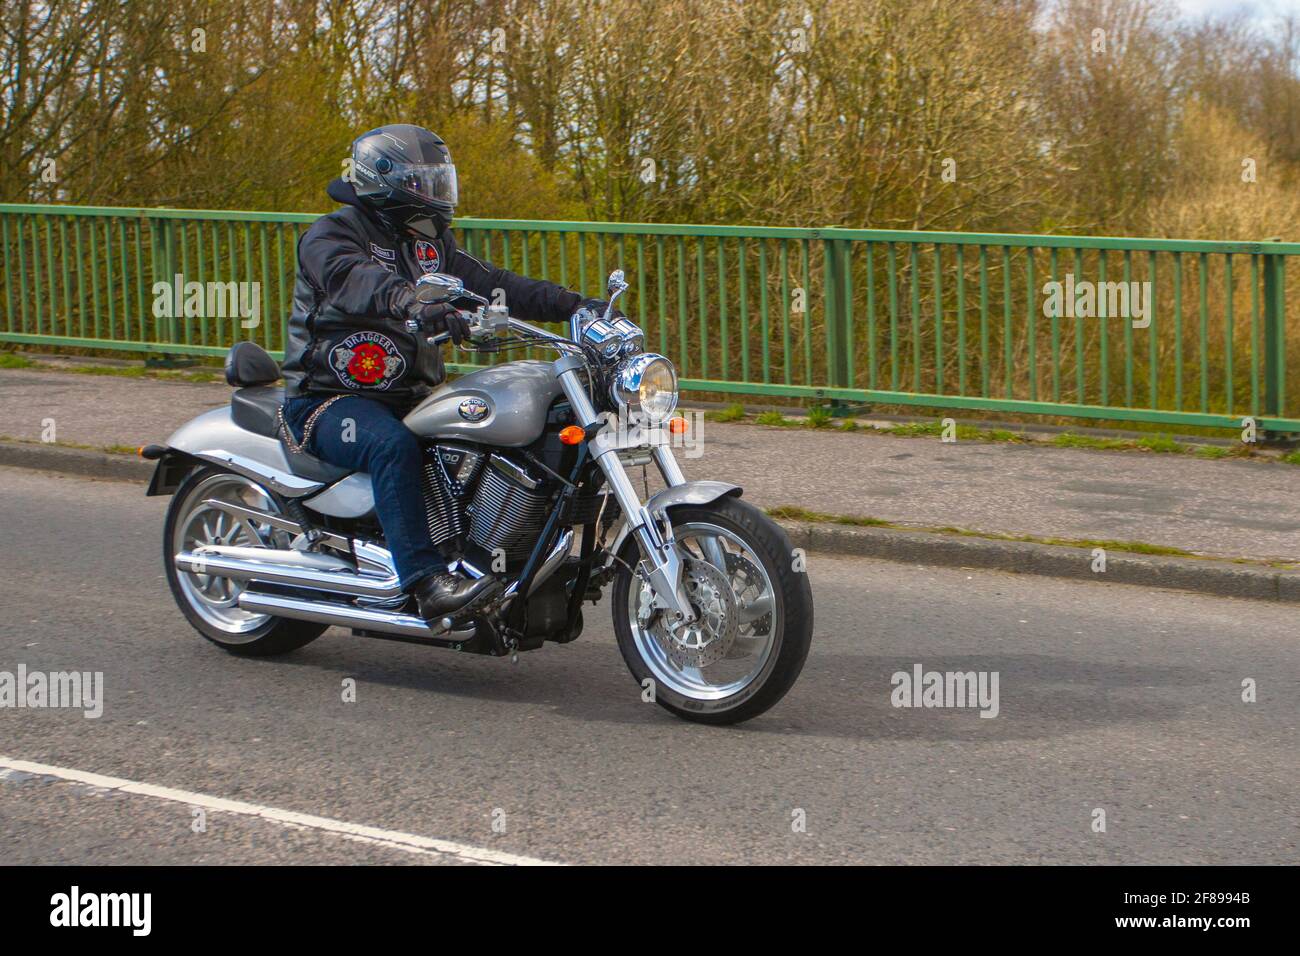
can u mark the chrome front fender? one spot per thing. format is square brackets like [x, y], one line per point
[691, 493]
[687, 493]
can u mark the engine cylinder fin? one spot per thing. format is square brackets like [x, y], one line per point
[506, 515]
[443, 512]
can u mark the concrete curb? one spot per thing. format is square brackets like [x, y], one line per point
[930, 548]
[910, 547]
[75, 461]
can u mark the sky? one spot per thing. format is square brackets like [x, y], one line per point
[1256, 9]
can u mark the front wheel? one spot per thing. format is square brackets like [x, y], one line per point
[754, 616]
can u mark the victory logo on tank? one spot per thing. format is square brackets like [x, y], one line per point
[367, 360]
[426, 253]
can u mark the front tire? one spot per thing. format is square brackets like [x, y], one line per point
[750, 646]
[210, 604]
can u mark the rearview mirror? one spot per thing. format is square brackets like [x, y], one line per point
[615, 287]
[438, 287]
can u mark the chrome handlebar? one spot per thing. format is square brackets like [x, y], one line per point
[489, 320]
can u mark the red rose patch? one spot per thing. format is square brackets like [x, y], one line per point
[367, 360]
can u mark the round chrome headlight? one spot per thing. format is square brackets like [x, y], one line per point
[646, 383]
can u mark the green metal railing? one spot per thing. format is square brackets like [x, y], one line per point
[940, 320]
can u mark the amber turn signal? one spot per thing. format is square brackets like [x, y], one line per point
[677, 425]
[572, 435]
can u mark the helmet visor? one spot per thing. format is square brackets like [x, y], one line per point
[431, 182]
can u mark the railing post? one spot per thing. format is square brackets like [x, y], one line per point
[1274, 335]
[837, 314]
[160, 263]
[162, 251]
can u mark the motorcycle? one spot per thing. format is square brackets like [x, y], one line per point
[265, 546]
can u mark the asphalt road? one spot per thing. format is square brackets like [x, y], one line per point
[1110, 697]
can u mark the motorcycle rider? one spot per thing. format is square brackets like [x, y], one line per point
[355, 357]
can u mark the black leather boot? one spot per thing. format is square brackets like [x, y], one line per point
[444, 594]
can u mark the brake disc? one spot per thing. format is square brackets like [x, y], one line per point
[745, 574]
[707, 639]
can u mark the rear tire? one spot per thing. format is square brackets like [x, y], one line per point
[787, 596]
[208, 603]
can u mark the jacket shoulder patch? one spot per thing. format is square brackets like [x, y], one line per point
[426, 254]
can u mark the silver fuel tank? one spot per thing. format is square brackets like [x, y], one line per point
[504, 405]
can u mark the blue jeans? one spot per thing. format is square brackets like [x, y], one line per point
[366, 435]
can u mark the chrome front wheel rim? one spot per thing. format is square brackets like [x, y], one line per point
[743, 622]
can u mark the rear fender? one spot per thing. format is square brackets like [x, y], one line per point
[170, 472]
[215, 438]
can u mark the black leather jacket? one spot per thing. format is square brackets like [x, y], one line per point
[355, 280]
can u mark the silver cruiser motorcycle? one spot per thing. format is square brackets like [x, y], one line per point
[526, 476]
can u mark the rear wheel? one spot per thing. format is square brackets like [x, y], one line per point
[754, 608]
[210, 603]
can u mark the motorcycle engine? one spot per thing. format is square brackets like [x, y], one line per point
[507, 510]
[449, 471]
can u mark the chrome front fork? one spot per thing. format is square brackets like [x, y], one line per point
[661, 559]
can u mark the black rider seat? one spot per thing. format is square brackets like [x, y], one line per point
[255, 406]
[256, 409]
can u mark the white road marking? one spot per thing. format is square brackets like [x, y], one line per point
[409, 842]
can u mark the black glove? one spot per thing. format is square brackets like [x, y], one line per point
[435, 319]
[457, 325]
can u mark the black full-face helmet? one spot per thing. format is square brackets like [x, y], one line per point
[406, 174]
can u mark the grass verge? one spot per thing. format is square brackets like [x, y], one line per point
[13, 360]
[797, 513]
[820, 417]
[734, 412]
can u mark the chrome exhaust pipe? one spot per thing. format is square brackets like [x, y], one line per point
[315, 571]
[299, 569]
[342, 615]
[365, 552]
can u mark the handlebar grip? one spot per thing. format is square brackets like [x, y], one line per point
[425, 323]
[481, 332]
